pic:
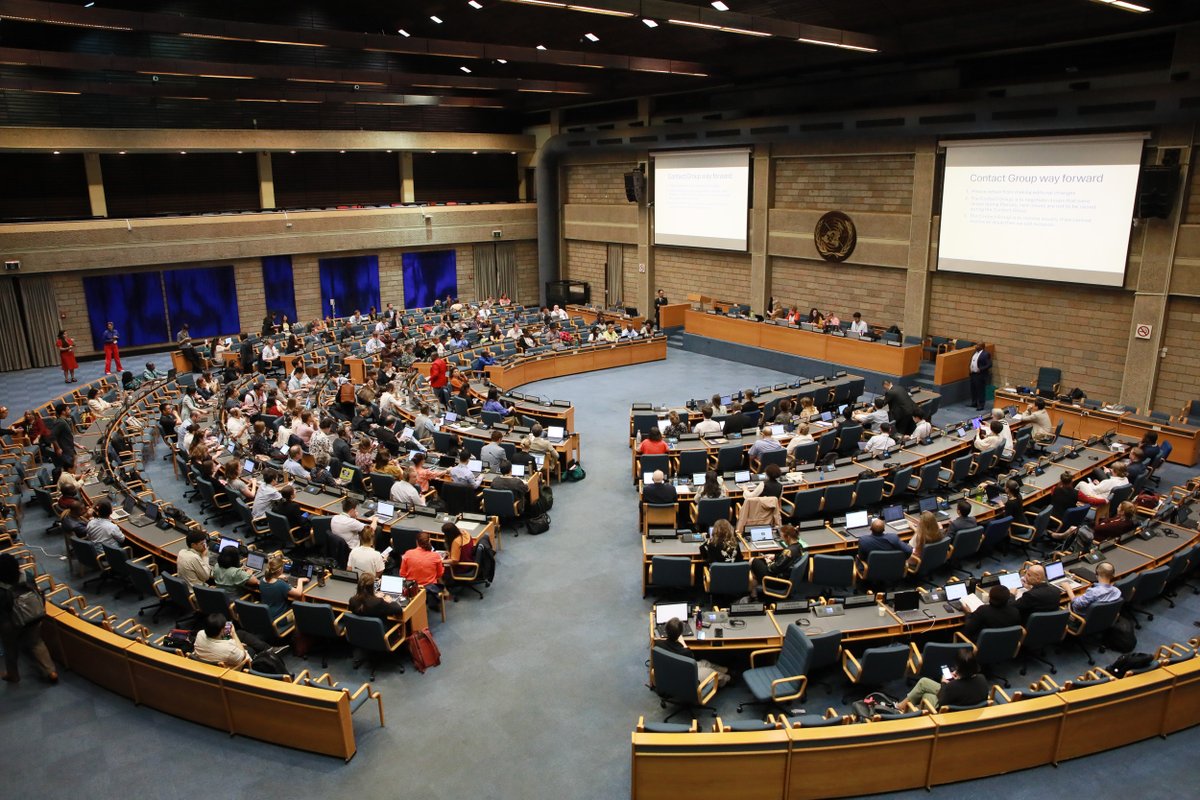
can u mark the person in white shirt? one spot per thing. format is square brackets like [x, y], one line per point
[218, 643]
[559, 313]
[269, 355]
[347, 526]
[871, 420]
[707, 426]
[514, 332]
[462, 474]
[355, 318]
[1102, 490]
[381, 326]
[267, 494]
[629, 332]
[299, 381]
[988, 436]
[365, 558]
[404, 492]
[858, 325]
[1005, 433]
[236, 426]
[881, 442]
[923, 429]
[373, 345]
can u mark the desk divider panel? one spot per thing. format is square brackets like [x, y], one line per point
[848, 760]
[317, 720]
[182, 687]
[92, 652]
[1114, 714]
[1184, 708]
[1026, 733]
[748, 766]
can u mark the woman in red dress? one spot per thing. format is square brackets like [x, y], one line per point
[66, 353]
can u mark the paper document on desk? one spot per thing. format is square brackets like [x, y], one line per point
[971, 602]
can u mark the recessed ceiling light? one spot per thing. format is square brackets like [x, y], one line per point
[591, 37]
[1124, 6]
[293, 152]
[474, 152]
[120, 152]
[389, 151]
[541, 47]
[434, 152]
[512, 152]
[56, 152]
[649, 23]
[403, 32]
[183, 152]
[474, 4]
[466, 70]
[435, 18]
[501, 60]
[719, 6]
[89, 5]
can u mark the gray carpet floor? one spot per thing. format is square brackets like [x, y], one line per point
[541, 682]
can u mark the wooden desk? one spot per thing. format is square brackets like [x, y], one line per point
[1082, 423]
[591, 314]
[672, 315]
[179, 362]
[854, 353]
[358, 370]
[955, 365]
[572, 362]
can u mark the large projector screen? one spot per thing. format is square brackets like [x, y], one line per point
[701, 198]
[1056, 209]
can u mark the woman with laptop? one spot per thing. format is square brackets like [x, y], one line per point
[275, 591]
[928, 532]
[721, 545]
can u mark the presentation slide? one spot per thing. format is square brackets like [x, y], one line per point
[1056, 209]
[702, 198]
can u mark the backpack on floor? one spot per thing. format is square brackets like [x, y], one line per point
[1121, 636]
[544, 502]
[574, 472]
[424, 650]
[538, 524]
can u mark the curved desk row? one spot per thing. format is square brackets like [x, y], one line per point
[587, 358]
[925, 751]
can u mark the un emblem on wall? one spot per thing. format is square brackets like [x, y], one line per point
[835, 236]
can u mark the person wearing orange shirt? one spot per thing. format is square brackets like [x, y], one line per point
[425, 567]
[653, 444]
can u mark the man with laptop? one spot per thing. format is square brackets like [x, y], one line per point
[879, 538]
[518, 487]
[673, 629]
[997, 613]
[1038, 595]
[1102, 591]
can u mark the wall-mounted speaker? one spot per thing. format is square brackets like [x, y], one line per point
[1156, 192]
[635, 186]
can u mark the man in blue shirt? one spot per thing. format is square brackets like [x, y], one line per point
[880, 538]
[111, 351]
[485, 359]
[1102, 591]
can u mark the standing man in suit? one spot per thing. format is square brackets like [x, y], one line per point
[900, 407]
[981, 375]
[660, 300]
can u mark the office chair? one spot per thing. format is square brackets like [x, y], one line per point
[933, 557]
[1043, 629]
[727, 580]
[1095, 620]
[670, 572]
[676, 679]
[784, 680]
[317, 621]
[831, 572]
[372, 639]
[996, 646]
[878, 667]
[256, 618]
[882, 569]
[965, 544]
[928, 662]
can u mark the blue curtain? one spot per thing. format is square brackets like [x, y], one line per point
[133, 302]
[279, 287]
[352, 283]
[428, 276]
[203, 297]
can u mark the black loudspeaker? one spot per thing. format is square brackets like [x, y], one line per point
[635, 186]
[1156, 192]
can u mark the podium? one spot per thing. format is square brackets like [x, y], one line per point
[358, 370]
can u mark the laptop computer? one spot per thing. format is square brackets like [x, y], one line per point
[663, 424]
[826, 416]
[955, 592]
[858, 523]
[392, 584]
[248, 466]
[148, 518]
[124, 510]
[665, 612]
[385, 511]
[555, 433]
[449, 418]
[227, 542]
[518, 470]
[931, 504]
[777, 430]
[1056, 575]
[761, 536]
[894, 517]
[255, 562]
[1011, 580]
[906, 604]
[475, 465]
[741, 476]
[726, 400]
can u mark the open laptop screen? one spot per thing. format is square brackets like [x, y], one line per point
[761, 533]
[956, 591]
[856, 519]
[664, 612]
[1011, 580]
[1054, 570]
[892, 513]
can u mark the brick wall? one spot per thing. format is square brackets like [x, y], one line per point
[1082, 330]
[252, 301]
[596, 183]
[464, 264]
[1191, 202]
[391, 279]
[585, 261]
[72, 307]
[1177, 383]
[630, 284]
[845, 183]
[527, 273]
[681, 271]
[877, 292]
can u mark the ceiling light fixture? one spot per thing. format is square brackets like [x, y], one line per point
[403, 32]
[608, 12]
[719, 6]
[649, 23]
[591, 37]
[690, 24]
[56, 152]
[474, 4]
[501, 60]
[839, 45]
[541, 47]
[435, 18]
[89, 5]
[466, 70]
[120, 152]
[1125, 6]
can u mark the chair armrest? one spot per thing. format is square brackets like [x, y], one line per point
[754, 654]
[847, 658]
[914, 658]
[997, 689]
[928, 705]
[803, 679]
[779, 588]
[703, 695]
[958, 636]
